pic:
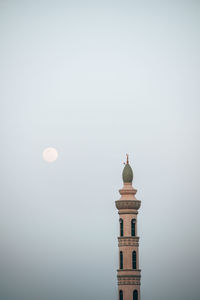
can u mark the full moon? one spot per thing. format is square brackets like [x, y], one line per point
[50, 154]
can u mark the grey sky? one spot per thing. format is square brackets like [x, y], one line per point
[97, 80]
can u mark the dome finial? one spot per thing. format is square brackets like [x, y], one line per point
[127, 174]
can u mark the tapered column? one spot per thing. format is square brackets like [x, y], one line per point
[128, 273]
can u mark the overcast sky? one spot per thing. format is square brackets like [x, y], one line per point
[97, 80]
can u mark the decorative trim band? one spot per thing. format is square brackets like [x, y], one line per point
[133, 212]
[128, 280]
[127, 191]
[128, 241]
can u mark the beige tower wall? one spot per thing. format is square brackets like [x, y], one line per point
[127, 256]
[128, 291]
[127, 217]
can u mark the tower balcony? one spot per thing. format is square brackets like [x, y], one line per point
[128, 204]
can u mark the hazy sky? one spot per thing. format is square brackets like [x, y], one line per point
[95, 80]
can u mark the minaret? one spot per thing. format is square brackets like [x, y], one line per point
[128, 273]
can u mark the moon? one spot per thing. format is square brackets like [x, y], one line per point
[50, 154]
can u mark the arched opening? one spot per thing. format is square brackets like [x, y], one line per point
[133, 222]
[120, 295]
[135, 295]
[134, 265]
[121, 260]
[121, 227]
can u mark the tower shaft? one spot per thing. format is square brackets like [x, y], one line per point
[128, 274]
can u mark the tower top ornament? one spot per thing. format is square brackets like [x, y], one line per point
[127, 159]
[127, 173]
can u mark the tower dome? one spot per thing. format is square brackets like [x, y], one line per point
[127, 174]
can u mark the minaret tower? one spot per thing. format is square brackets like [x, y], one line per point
[128, 273]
